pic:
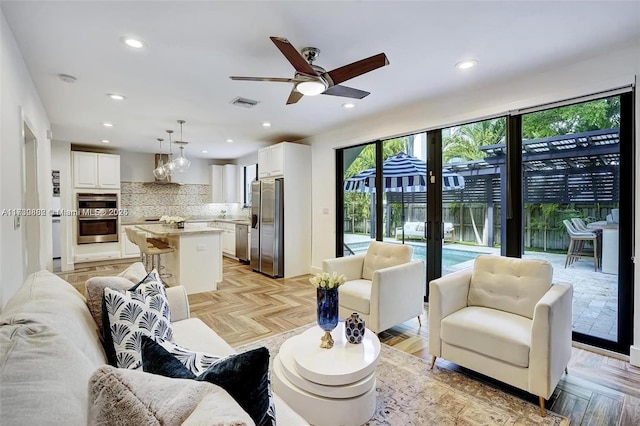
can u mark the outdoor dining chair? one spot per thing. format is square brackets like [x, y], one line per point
[577, 245]
[579, 224]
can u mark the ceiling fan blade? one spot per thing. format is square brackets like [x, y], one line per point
[355, 69]
[294, 96]
[346, 92]
[276, 79]
[293, 56]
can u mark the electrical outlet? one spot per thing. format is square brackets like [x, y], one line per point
[201, 247]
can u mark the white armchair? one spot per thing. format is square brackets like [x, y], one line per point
[384, 286]
[505, 319]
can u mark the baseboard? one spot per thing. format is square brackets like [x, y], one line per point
[80, 265]
[635, 356]
[601, 351]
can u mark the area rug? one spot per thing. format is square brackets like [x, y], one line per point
[411, 394]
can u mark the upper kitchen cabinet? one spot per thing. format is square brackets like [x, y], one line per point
[224, 184]
[94, 170]
[275, 160]
[271, 161]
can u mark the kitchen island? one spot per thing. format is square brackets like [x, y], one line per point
[196, 262]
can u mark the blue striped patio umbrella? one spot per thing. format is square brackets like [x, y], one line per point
[401, 173]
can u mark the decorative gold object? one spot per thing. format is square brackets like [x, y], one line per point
[327, 340]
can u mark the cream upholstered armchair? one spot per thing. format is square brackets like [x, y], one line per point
[384, 286]
[505, 319]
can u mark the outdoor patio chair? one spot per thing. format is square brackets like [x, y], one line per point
[577, 249]
[579, 224]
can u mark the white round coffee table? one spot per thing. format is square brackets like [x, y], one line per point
[330, 387]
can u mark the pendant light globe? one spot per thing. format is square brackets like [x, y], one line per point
[169, 167]
[159, 172]
[181, 163]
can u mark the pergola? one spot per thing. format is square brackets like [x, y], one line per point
[576, 168]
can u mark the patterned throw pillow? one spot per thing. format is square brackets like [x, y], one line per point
[196, 362]
[244, 376]
[129, 315]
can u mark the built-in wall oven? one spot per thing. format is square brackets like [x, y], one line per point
[97, 218]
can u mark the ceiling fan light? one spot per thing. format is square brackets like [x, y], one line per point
[310, 88]
[466, 64]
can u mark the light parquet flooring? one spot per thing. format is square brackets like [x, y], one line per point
[248, 306]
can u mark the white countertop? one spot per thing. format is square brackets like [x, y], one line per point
[170, 230]
[131, 220]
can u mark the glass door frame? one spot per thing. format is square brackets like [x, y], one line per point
[512, 234]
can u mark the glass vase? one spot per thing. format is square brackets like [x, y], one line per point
[327, 301]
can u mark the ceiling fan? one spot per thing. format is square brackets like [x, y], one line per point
[314, 80]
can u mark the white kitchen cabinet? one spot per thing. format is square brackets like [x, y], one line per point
[276, 152]
[108, 171]
[224, 184]
[217, 184]
[271, 161]
[228, 237]
[264, 162]
[127, 248]
[274, 160]
[94, 170]
[231, 192]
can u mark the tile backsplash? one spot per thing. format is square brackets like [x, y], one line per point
[144, 199]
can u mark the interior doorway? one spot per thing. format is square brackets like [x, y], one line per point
[30, 222]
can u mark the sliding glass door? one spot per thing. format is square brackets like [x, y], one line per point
[473, 169]
[554, 184]
[573, 178]
[356, 175]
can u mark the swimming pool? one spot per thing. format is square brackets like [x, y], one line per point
[450, 257]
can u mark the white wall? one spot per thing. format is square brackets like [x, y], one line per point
[19, 100]
[610, 70]
[138, 167]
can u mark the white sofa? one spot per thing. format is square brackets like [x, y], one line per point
[415, 230]
[49, 349]
[384, 286]
[505, 319]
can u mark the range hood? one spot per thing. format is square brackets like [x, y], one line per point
[168, 180]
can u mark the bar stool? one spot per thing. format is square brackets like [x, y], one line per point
[152, 252]
[131, 236]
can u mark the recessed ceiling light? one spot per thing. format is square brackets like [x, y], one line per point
[133, 42]
[229, 140]
[204, 151]
[266, 124]
[104, 141]
[106, 124]
[67, 78]
[466, 64]
[348, 105]
[116, 97]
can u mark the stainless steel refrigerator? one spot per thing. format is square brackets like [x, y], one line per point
[267, 227]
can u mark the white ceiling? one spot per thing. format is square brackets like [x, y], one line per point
[193, 48]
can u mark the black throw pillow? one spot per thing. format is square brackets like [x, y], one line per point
[244, 376]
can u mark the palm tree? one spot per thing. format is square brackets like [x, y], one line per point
[464, 142]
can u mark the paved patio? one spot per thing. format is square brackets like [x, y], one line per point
[595, 294]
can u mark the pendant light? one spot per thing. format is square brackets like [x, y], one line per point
[159, 172]
[181, 163]
[170, 167]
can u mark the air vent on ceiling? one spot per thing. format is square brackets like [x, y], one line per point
[244, 102]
